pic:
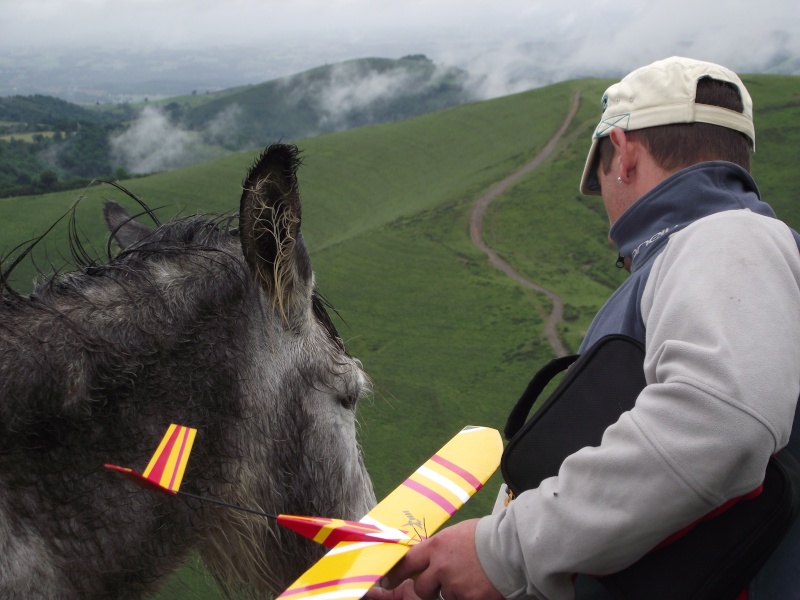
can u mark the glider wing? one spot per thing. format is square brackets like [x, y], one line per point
[417, 508]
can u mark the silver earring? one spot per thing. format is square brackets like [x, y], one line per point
[619, 179]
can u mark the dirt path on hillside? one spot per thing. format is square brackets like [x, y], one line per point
[476, 232]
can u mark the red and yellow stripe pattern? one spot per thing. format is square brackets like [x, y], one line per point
[417, 508]
[329, 532]
[167, 466]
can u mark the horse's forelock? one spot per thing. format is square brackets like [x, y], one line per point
[193, 235]
[144, 268]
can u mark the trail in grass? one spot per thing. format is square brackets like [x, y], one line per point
[476, 232]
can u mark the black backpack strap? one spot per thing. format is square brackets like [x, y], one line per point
[713, 560]
[599, 386]
[519, 414]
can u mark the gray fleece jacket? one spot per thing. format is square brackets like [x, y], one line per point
[714, 294]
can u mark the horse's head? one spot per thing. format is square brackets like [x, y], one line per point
[298, 385]
[199, 323]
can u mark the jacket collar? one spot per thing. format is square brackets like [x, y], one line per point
[688, 195]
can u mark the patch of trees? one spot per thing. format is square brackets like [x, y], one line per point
[68, 149]
[67, 160]
[46, 112]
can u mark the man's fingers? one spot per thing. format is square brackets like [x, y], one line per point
[380, 593]
[405, 591]
[414, 562]
[427, 585]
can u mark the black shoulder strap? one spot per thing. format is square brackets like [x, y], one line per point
[599, 386]
[519, 414]
[713, 560]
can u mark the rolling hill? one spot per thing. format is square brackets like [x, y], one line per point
[447, 340]
[333, 98]
[47, 144]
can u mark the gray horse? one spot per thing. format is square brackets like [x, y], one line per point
[198, 323]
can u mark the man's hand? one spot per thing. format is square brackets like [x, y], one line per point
[446, 564]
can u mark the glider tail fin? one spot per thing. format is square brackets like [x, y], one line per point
[168, 464]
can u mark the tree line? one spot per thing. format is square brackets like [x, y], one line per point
[49, 144]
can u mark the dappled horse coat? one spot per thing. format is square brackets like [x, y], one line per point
[198, 323]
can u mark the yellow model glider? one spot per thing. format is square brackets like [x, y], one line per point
[361, 552]
[419, 506]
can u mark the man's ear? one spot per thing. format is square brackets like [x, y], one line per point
[627, 151]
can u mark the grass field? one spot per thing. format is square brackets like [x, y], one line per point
[26, 137]
[447, 340]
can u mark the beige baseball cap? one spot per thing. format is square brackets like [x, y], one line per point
[663, 93]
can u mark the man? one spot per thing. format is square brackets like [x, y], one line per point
[714, 294]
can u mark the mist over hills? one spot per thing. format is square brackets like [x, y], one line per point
[521, 55]
[337, 97]
[134, 111]
[88, 75]
[53, 144]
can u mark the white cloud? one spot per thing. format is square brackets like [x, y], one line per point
[509, 45]
[349, 90]
[152, 143]
[743, 35]
[631, 24]
[221, 129]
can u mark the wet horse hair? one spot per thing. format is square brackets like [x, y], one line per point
[197, 322]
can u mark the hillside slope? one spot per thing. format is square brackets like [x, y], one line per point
[332, 98]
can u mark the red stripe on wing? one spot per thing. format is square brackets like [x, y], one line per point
[440, 500]
[461, 472]
[185, 435]
[332, 583]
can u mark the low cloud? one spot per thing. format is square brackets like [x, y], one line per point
[222, 129]
[154, 143]
[352, 90]
[349, 90]
[599, 38]
[753, 38]
[506, 46]
[512, 67]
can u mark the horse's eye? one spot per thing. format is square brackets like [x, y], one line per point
[348, 401]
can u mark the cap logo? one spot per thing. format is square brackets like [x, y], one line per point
[622, 121]
[604, 102]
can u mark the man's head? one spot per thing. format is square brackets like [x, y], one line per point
[682, 111]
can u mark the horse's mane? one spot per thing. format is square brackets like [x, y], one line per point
[195, 235]
[81, 258]
[184, 234]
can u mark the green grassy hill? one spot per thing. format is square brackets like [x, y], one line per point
[447, 340]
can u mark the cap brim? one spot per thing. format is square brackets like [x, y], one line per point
[589, 184]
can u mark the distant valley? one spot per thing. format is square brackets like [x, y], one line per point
[48, 144]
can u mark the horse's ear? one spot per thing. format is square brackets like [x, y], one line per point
[123, 228]
[269, 225]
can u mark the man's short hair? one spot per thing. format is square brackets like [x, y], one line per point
[678, 146]
[703, 109]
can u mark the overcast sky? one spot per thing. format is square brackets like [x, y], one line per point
[573, 37]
